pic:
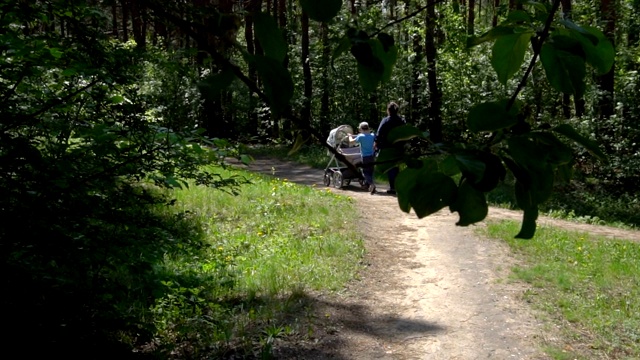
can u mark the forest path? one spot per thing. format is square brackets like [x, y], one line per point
[430, 290]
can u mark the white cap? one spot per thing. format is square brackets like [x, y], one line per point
[363, 126]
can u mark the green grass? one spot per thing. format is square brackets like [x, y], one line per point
[589, 286]
[266, 251]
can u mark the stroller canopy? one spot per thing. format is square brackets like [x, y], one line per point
[339, 137]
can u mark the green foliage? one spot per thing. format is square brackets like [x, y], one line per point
[508, 54]
[90, 128]
[270, 37]
[425, 190]
[321, 11]
[375, 57]
[278, 85]
[492, 116]
[588, 284]
[565, 68]
[248, 282]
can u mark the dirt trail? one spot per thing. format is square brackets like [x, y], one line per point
[430, 290]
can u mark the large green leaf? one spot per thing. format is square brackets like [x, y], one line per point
[570, 25]
[558, 152]
[528, 228]
[376, 59]
[344, 44]
[527, 153]
[524, 199]
[483, 170]
[277, 82]
[424, 191]
[470, 164]
[449, 166]
[599, 53]
[388, 158]
[591, 146]
[533, 159]
[387, 52]
[270, 36]
[211, 86]
[490, 35]
[565, 70]
[323, 10]
[404, 133]
[369, 78]
[508, 54]
[541, 8]
[604, 56]
[491, 116]
[470, 204]
[516, 16]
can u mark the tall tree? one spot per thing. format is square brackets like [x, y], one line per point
[606, 82]
[566, 98]
[326, 90]
[471, 19]
[124, 6]
[496, 9]
[306, 69]
[416, 81]
[139, 24]
[435, 93]
[249, 6]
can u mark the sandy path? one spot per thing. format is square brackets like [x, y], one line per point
[430, 290]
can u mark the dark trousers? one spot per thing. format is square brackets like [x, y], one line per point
[367, 168]
[391, 175]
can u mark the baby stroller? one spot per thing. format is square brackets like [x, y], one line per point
[339, 173]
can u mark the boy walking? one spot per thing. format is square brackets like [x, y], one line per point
[366, 139]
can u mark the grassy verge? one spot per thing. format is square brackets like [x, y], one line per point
[575, 202]
[589, 287]
[265, 252]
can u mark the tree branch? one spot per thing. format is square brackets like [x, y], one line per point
[537, 46]
[409, 16]
[219, 59]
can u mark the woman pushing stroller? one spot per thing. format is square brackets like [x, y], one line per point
[366, 140]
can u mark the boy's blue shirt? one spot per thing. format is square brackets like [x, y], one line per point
[366, 143]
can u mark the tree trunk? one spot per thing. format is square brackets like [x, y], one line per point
[435, 94]
[306, 70]
[278, 124]
[566, 99]
[139, 28]
[606, 81]
[125, 19]
[496, 6]
[114, 19]
[471, 19]
[566, 106]
[606, 106]
[325, 127]
[253, 75]
[416, 83]
[566, 8]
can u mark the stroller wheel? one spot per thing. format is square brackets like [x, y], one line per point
[337, 180]
[327, 179]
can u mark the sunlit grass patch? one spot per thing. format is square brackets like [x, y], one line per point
[265, 250]
[590, 285]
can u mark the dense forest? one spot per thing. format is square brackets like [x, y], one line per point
[106, 102]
